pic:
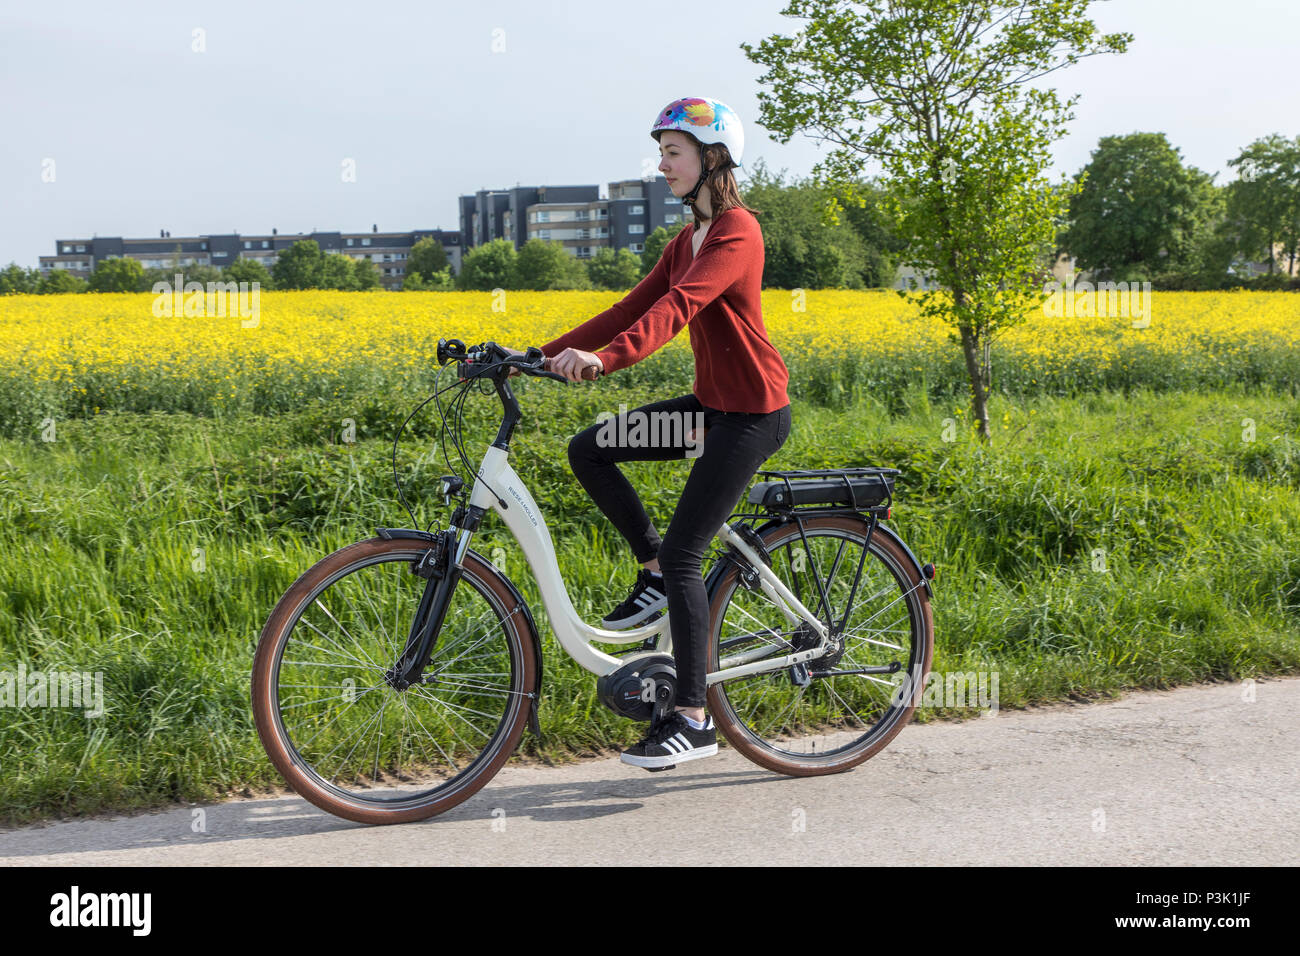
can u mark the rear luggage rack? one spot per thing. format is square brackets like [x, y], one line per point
[834, 489]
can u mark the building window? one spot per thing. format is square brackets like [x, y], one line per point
[543, 233]
[247, 244]
[672, 217]
[266, 244]
[218, 255]
[365, 242]
[81, 248]
[669, 200]
[637, 210]
[604, 214]
[637, 247]
[67, 250]
[635, 229]
[543, 217]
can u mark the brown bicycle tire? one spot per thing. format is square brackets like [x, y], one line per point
[265, 709]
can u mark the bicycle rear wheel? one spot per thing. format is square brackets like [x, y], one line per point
[792, 720]
[341, 735]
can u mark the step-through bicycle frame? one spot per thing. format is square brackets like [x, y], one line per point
[497, 487]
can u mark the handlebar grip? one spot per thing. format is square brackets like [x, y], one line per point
[589, 373]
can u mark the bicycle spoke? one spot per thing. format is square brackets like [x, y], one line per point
[869, 612]
[359, 740]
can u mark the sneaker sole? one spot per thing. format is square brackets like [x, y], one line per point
[638, 618]
[669, 760]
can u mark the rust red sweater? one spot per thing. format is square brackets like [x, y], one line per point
[716, 292]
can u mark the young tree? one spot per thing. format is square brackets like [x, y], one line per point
[116, 275]
[937, 92]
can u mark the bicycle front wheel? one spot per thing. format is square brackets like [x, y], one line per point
[837, 711]
[348, 741]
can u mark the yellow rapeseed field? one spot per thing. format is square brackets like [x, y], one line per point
[114, 350]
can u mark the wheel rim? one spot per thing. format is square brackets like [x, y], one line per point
[357, 738]
[836, 716]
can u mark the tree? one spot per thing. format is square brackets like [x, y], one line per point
[364, 275]
[250, 271]
[1263, 205]
[540, 265]
[575, 274]
[489, 266]
[337, 272]
[655, 243]
[299, 266]
[937, 92]
[1138, 211]
[60, 280]
[14, 279]
[610, 269]
[801, 250]
[116, 275]
[442, 281]
[427, 258]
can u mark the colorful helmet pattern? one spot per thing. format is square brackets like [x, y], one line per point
[709, 121]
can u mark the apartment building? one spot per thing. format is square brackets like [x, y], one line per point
[387, 250]
[574, 216]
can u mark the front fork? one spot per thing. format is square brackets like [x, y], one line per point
[442, 567]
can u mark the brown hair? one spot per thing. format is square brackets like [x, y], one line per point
[721, 182]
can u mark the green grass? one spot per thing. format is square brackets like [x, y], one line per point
[100, 527]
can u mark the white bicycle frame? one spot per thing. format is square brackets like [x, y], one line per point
[497, 487]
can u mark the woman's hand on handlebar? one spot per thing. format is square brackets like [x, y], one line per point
[512, 352]
[572, 362]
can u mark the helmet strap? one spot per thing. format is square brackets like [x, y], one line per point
[689, 198]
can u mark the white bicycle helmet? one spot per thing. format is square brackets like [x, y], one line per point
[709, 121]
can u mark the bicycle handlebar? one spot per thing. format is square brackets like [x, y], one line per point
[488, 357]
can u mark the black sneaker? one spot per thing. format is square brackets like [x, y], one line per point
[644, 599]
[672, 742]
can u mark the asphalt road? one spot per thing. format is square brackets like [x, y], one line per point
[1196, 776]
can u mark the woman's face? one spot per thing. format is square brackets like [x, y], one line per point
[679, 161]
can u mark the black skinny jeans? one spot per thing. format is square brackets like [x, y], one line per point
[734, 447]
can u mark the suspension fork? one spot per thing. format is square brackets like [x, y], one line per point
[442, 568]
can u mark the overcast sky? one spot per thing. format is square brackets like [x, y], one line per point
[147, 134]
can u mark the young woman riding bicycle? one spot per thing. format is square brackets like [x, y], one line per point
[710, 278]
